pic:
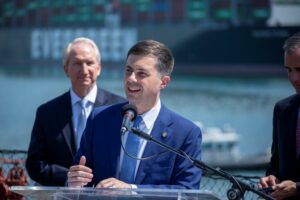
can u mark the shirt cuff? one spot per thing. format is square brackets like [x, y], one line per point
[133, 186]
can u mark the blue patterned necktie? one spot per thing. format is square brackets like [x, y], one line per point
[132, 145]
[81, 121]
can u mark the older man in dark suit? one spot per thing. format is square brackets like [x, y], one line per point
[283, 174]
[59, 123]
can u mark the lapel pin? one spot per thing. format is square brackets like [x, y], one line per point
[164, 134]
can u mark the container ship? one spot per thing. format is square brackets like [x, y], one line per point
[235, 37]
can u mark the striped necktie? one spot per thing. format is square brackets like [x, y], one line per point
[82, 117]
[127, 172]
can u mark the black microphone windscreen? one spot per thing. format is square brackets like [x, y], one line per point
[130, 107]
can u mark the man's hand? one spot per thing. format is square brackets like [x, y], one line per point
[268, 181]
[112, 183]
[284, 189]
[79, 175]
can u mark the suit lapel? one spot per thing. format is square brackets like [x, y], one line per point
[159, 132]
[114, 147]
[68, 134]
[100, 98]
[65, 114]
[291, 117]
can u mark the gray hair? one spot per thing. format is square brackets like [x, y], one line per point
[159, 50]
[80, 40]
[292, 43]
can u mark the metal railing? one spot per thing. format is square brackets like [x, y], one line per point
[10, 159]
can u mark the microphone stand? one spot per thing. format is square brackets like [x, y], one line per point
[236, 192]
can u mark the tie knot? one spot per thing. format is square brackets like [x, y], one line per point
[83, 103]
[137, 121]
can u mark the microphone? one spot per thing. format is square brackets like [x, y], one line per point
[238, 186]
[129, 112]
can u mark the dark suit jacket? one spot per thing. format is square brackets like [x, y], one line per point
[101, 144]
[52, 147]
[284, 163]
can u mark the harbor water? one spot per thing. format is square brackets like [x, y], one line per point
[243, 103]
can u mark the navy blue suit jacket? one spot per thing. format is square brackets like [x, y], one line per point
[284, 163]
[52, 146]
[101, 144]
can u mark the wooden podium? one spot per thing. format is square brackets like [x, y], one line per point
[65, 193]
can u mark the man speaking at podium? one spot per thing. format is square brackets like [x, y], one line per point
[103, 163]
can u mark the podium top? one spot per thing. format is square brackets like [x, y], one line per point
[64, 193]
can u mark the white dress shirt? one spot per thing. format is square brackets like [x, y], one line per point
[76, 109]
[146, 126]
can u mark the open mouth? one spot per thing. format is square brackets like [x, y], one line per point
[133, 89]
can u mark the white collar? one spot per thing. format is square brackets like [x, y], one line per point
[150, 116]
[91, 96]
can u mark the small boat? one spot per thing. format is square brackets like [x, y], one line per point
[219, 149]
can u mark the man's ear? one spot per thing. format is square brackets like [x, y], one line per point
[165, 81]
[66, 70]
[99, 71]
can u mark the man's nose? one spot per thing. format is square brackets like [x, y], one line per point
[84, 67]
[132, 77]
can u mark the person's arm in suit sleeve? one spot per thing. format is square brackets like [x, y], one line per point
[273, 165]
[271, 177]
[185, 175]
[37, 164]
